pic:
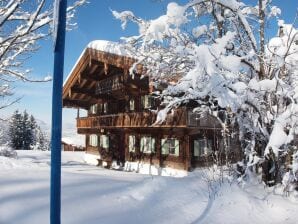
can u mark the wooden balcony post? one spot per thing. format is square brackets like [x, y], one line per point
[78, 113]
[126, 144]
[187, 147]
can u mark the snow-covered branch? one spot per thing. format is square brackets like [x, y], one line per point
[206, 52]
[22, 24]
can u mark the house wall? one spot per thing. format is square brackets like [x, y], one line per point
[67, 147]
[119, 147]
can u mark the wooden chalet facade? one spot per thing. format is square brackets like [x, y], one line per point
[71, 147]
[121, 115]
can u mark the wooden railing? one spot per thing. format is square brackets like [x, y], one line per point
[136, 119]
[109, 84]
[119, 82]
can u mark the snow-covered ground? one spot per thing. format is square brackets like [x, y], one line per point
[95, 195]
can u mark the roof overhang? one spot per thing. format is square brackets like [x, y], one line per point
[92, 65]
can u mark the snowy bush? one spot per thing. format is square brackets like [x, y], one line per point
[8, 152]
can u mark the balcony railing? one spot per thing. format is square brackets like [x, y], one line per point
[108, 85]
[136, 119]
[119, 82]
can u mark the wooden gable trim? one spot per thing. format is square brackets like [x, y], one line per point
[93, 66]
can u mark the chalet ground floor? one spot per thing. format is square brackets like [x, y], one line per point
[178, 148]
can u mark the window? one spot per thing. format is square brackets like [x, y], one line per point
[146, 101]
[105, 108]
[170, 146]
[132, 143]
[99, 108]
[104, 141]
[93, 109]
[131, 104]
[93, 140]
[202, 147]
[147, 144]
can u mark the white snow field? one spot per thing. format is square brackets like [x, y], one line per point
[95, 195]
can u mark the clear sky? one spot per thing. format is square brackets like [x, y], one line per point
[95, 21]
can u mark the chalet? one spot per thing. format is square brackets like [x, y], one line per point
[120, 123]
[70, 146]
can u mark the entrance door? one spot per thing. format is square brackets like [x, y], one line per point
[117, 146]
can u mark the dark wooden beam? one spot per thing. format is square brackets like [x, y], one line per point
[95, 62]
[76, 103]
[89, 91]
[92, 77]
[84, 97]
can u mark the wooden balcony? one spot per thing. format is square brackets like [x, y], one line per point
[132, 120]
[109, 85]
[181, 118]
[116, 83]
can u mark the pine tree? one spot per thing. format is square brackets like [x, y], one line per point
[34, 130]
[15, 130]
[42, 141]
[25, 134]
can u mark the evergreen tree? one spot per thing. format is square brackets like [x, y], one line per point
[25, 134]
[34, 130]
[15, 130]
[42, 141]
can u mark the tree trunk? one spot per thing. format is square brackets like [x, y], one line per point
[262, 38]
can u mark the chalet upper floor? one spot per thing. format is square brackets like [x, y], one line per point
[101, 83]
[102, 75]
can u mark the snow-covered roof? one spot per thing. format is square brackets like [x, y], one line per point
[74, 140]
[109, 47]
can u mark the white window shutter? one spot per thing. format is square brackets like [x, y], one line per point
[96, 140]
[107, 142]
[176, 147]
[152, 144]
[131, 143]
[196, 148]
[142, 144]
[164, 147]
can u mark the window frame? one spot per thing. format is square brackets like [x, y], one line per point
[170, 146]
[144, 145]
[132, 104]
[104, 139]
[205, 147]
[93, 109]
[93, 140]
[105, 108]
[146, 101]
[132, 145]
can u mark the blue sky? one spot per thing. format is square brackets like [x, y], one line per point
[95, 21]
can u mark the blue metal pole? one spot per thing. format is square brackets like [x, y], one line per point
[55, 200]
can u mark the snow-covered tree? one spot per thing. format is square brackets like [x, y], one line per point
[42, 140]
[22, 24]
[214, 53]
[15, 130]
[25, 133]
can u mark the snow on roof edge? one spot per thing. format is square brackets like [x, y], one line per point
[78, 141]
[109, 47]
[73, 67]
